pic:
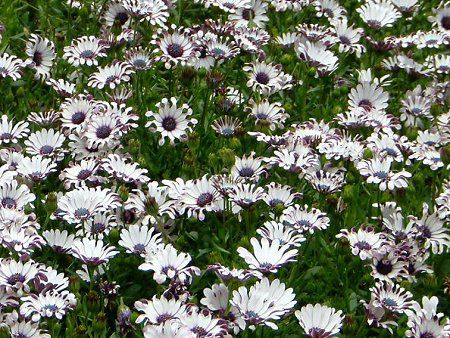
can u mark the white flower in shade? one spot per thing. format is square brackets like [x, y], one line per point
[116, 15]
[92, 252]
[370, 96]
[204, 325]
[47, 305]
[83, 203]
[226, 126]
[378, 13]
[36, 168]
[80, 174]
[363, 241]
[111, 76]
[13, 196]
[171, 121]
[305, 220]
[84, 51]
[46, 142]
[377, 316]
[268, 114]
[167, 263]
[319, 320]
[123, 170]
[159, 310]
[267, 256]
[11, 66]
[7, 299]
[264, 303]
[425, 321]
[388, 145]
[267, 79]
[62, 87]
[326, 181]
[15, 276]
[200, 196]
[248, 167]
[139, 58]
[12, 133]
[98, 226]
[174, 47]
[348, 37]
[378, 171]
[275, 231]
[140, 240]
[22, 328]
[431, 229]
[253, 13]
[278, 194]
[329, 9]
[216, 298]
[317, 55]
[41, 53]
[392, 297]
[60, 241]
[227, 274]
[49, 279]
[21, 239]
[246, 195]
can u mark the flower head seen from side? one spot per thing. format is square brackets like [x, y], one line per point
[159, 310]
[49, 304]
[41, 55]
[171, 121]
[84, 51]
[266, 78]
[319, 321]
[167, 263]
[363, 241]
[36, 168]
[140, 240]
[111, 76]
[304, 219]
[10, 132]
[268, 256]
[11, 66]
[392, 297]
[82, 203]
[264, 303]
[92, 252]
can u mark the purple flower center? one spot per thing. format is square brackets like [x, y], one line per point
[445, 22]
[84, 174]
[262, 78]
[103, 132]
[78, 117]
[8, 202]
[16, 278]
[175, 50]
[37, 58]
[46, 150]
[384, 267]
[87, 54]
[169, 123]
[204, 199]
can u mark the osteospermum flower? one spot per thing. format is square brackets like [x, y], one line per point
[363, 242]
[80, 173]
[159, 310]
[46, 142]
[41, 54]
[426, 321]
[268, 256]
[275, 231]
[317, 55]
[370, 96]
[140, 239]
[15, 196]
[267, 79]
[11, 66]
[123, 170]
[82, 203]
[319, 320]
[12, 133]
[280, 195]
[171, 121]
[50, 304]
[173, 48]
[16, 276]
[111, 76]
[305, 220]
[378, 171]
[60, 241]
[268, 114]
[103, 130]
[36, 168]
[264, 303]
[226, 126]
[248, 167]
[167, 263]
[253, 13]
[84, 51]
[392, 297]
[92, 252]
[378, 14]
[431, 229]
